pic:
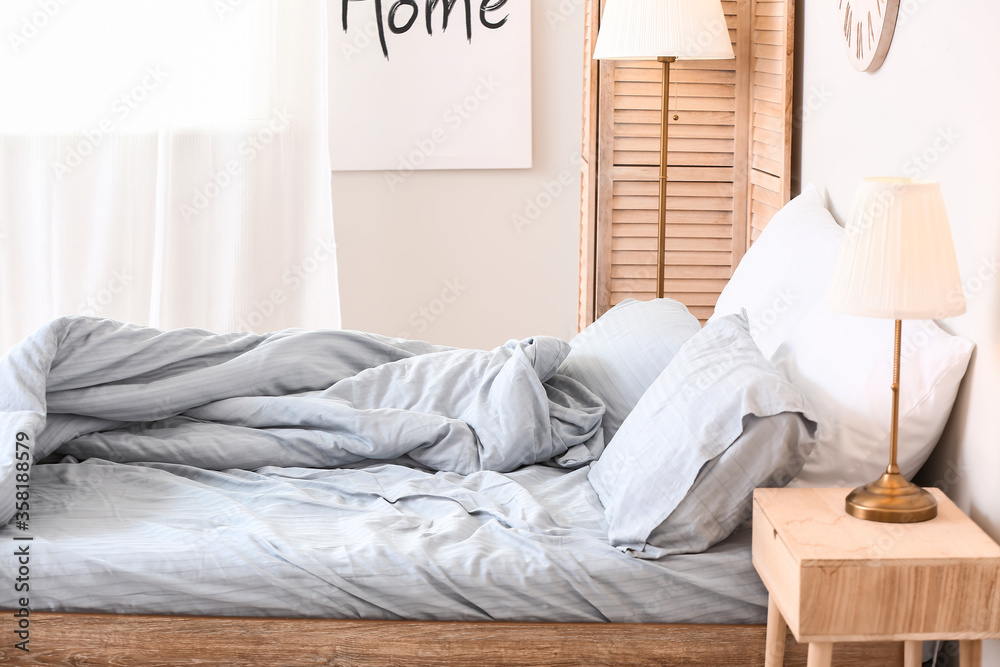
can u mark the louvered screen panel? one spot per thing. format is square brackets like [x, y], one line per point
[699, 234]
[771, 121]
[588, 171]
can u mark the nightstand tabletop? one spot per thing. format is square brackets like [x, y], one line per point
[838, 578]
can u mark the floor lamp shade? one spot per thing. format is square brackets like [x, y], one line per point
[897, 259]
[651, 29]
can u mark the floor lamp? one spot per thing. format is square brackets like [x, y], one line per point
[663, 30]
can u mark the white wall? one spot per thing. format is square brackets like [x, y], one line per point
[932, 110]
[441, 257]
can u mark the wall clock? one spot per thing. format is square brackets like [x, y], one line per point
[867, 30]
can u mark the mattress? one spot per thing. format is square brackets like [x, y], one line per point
[374, 541]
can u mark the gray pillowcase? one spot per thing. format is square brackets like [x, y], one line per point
[618, 356]
[769, 452]
[719, 421]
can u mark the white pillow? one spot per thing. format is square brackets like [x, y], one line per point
[786, 272]
[679, 475]
[843, 364]
[618, 356]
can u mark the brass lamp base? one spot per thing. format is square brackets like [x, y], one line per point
[891, 499]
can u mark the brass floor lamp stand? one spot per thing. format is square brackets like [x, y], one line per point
[891, 498]
[661, 238]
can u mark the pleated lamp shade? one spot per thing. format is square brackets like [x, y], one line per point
[897, 259]
[649, 29]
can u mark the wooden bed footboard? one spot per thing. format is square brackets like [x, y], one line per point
[149, 641]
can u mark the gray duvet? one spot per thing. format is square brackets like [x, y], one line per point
[99, 388]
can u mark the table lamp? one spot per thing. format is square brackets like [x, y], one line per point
[663, 30]
[896, 261]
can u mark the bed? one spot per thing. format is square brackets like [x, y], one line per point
[326, 497]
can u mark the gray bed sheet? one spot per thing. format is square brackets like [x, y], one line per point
[381, 541]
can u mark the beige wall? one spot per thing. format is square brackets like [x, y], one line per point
[446, 256]
[932, 110]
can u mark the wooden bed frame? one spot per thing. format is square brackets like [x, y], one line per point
[152, 641]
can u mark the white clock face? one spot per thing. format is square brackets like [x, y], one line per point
[867, 30]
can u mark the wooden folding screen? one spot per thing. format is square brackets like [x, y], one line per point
[729, 161]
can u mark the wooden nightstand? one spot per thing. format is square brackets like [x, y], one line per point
[832, 577]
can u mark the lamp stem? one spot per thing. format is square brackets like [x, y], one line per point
[661, 237]
[893, 468]
[891, 498]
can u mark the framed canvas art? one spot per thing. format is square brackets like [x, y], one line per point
[430, 84]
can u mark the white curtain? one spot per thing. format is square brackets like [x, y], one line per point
[165, 162]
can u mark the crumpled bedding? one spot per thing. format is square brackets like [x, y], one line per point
[325, 474]
[97, 388]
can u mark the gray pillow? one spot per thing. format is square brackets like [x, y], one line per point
[719, 421]
[618, 356]
[769, 452]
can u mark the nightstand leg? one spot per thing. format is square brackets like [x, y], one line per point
[820, 654]
[913, 654]
[774, 651]
[970, 653]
